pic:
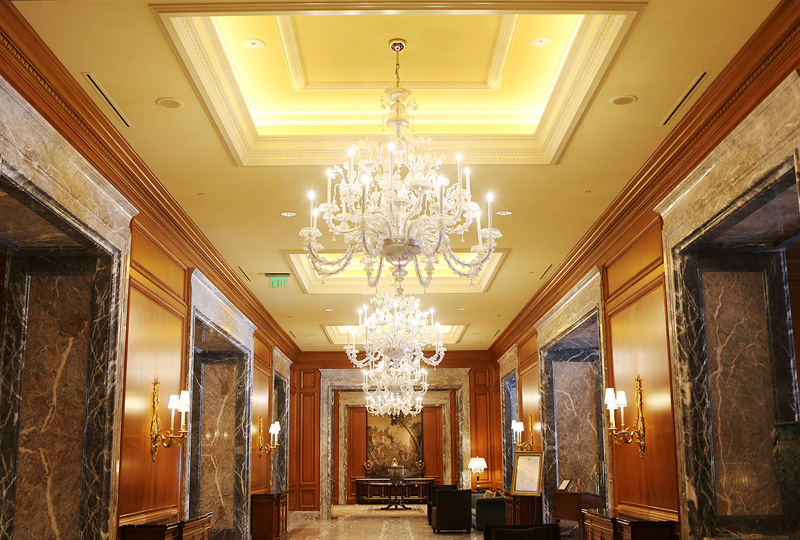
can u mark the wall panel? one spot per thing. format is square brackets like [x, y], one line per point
[356, 448]
[432, 442]
[529, 392]
[261, 419]
[305, 415]
[481, 410]
[155, 349]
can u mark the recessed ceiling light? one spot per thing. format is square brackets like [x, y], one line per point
[288, 214]
[623, 100]
[253, 44]
[540, 42]
[504, 212]
[461, 309]
[329, 309]
[169, 103]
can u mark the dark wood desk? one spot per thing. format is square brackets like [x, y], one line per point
[172, 529]
[569, 505]
[609, 525]
[377, 490]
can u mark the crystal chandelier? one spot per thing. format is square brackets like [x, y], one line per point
[394, 336]
[390, 203]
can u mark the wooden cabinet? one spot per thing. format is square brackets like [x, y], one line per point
[191, 529]
[608, 525]
[570, 505]
[523, 510]
[269, 514]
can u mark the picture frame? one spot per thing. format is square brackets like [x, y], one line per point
[527, 474]
[564, 484]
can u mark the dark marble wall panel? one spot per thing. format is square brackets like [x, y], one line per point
[510, 407]
[575, 385]
[217, 458]
[739, 379]
[281, 414]
[52, 411]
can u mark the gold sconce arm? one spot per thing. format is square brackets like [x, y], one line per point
[517, 429]
[274, 429]
[627, 435]
[170, 437]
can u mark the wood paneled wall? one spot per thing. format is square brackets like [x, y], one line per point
[637, 346]
[529, 392]
[484, 390]
[432, 442]
[356, 449]
[156, 348]
[304, 439]
[260, 465]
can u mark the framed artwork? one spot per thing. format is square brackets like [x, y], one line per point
[564, 484]
[390, 438]
[527, 476]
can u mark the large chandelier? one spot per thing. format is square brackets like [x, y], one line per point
[394, 336]
[390, 202]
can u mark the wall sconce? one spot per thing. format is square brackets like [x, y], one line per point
[517, 428]
[274, 429]
[626, 435]
[477, 465]
[168, 438]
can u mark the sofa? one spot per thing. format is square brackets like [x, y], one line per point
[488, 508]
[432, 496]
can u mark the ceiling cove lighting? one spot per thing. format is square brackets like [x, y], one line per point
[390, 202]
[394, 335]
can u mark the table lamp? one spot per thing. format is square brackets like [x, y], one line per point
[477, 465]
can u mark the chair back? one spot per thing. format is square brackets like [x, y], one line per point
[433, 488]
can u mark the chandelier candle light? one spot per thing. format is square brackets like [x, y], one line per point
[394, 336]
[390, 202]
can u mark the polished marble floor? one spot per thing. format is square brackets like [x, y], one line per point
[366, 522]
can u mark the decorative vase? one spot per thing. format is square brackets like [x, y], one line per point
[786, 463]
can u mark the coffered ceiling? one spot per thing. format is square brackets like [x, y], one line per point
[246, 130]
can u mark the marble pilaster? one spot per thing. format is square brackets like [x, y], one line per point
[281, 367]
[755, 158]
[84, 213]
[221, 335]
[572, 332]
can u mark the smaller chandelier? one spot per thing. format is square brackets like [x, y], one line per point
[390, 202]
[394, 336]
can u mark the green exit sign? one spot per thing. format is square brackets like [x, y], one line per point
[277, 282]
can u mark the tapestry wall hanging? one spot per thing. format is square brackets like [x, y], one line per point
[397, 438]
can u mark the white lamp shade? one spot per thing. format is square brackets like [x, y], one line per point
[516, 427]
[173, 402]
[622, 400]
[184, 401]
[275, 428]
[611, 398]
[477, 464]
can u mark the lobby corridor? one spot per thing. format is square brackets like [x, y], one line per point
[361, 522]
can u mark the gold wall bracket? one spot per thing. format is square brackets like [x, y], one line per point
[265, 448]
[627, 435]
[158, 437]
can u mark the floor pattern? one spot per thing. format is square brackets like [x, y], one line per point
[367, 522]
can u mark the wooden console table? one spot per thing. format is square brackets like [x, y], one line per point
[523, 509]
[377, 490]
[609, 525]
[569, 505]
[269, 515]
[172, 529]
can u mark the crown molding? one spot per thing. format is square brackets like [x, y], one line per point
[34, 71]
[770, 55]
[339, 360]
[197, 46]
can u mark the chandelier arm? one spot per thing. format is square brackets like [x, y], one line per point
[372, 281]
[426, 281]
[473, 265]
[319, 261]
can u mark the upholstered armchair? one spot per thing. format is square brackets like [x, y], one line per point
[522, 532]
[432, 496]
[452, 511]
[488, 510]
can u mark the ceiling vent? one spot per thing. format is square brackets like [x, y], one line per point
[685, 97]
[106, 98]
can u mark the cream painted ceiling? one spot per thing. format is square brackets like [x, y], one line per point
[339, 63]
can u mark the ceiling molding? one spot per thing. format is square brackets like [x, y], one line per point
[198, 46]
[32, 69]
[354, 279]
[295, 65]
[339, 360]
[770, 55]
[337, 334]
